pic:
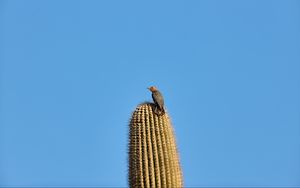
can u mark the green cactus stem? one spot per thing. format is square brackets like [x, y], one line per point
[153, 156]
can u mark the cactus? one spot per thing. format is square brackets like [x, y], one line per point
[153, 157]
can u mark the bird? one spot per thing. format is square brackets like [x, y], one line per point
[158, 100]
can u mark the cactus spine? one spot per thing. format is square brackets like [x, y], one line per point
[153, 157]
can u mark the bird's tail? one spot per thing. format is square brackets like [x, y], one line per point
[162, 110]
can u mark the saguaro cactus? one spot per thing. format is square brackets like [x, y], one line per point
[153, 157]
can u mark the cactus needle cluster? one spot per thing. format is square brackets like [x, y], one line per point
[153, 156]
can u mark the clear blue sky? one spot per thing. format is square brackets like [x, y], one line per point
[72, 72]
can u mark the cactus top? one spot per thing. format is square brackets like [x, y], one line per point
[153, 156]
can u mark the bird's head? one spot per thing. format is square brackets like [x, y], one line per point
[152, 88]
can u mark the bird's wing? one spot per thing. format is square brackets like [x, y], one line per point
[158, 99]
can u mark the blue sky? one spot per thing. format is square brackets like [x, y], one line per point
[72, 72]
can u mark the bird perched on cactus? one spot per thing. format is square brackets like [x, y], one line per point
[158, 100]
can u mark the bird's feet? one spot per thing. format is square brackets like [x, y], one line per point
[158, 111]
